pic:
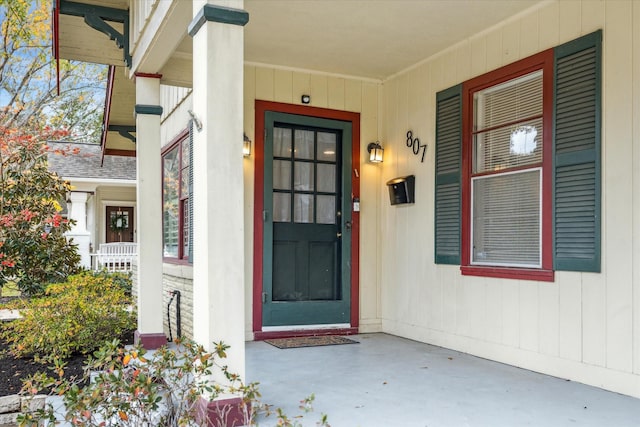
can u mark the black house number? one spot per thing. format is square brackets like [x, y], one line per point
[414, 144]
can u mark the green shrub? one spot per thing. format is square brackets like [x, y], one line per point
[75, 316]
[130, 388]
[119, 278]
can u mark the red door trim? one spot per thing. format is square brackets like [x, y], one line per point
[258, 225]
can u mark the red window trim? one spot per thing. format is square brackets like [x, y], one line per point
[176, 142]
[543, 60]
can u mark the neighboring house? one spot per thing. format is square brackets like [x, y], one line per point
[517, 120]
[102, 192]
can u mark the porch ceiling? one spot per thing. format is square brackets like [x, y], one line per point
[372, 39]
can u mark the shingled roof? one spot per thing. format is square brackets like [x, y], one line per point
[75, 160]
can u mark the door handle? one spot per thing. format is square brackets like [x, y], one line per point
[347, 225]
[338, 234]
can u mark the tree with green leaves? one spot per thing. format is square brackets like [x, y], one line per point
[28, 77]
[33, 248]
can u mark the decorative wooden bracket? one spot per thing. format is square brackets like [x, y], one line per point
[124, 131]
[97, 16]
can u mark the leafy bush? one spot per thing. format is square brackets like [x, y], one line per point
[130, 388]
[123, 280]
[33, 248]
[75, 316]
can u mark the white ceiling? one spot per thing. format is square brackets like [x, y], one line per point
[365, 38]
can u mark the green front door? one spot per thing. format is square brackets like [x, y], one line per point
[307, 239]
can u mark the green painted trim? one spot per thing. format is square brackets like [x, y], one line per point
[582, 43]
[96, 17]
[448, 178]
[155, 110]
[190, 254]
[450, 93]
[592, 40]
[124, 131]
[82, 9]
[213, 13]
[338, 308]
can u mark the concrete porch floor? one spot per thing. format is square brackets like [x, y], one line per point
[390, 381]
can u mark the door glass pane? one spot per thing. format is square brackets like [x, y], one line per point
[282, 174]
[303, 208]
[326, 210]
[327, 178]
[281, 142]
[303, 176]
[281, 207]
[326, 147]
[304, 144]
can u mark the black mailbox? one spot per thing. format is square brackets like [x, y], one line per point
[402, 190]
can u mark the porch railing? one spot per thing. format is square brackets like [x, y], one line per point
[117, 256]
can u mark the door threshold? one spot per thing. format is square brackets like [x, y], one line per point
[272, 332]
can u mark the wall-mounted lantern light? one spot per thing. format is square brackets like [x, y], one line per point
[376, 152]
[305, 99]
[246, 146]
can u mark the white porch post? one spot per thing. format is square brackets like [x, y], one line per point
[218, 260]
[149, 213]
[79, 232]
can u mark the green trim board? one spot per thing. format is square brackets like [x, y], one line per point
[96, 17]
[221, 14]
[154, 110]
[448, 173]
[577, 154]
[337, 308]
[190, 254]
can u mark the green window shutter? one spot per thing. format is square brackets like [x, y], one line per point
[576, 203]
[191, 191]
[448, 183]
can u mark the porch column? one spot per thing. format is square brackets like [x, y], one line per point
[79, 232]
[218, 225]
[149, 212]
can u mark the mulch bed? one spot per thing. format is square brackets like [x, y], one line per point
[14, 370]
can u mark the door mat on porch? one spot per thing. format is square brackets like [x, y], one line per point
[299, 342]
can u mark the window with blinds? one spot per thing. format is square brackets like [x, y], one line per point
[506, 181]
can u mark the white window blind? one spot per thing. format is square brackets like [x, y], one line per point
[506, 225]
[508, 124]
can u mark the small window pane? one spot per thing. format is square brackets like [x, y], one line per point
[282, 174]
[508, 147]
[326, 147]
[304, 144]
[326, 178]
[303, 208]
[170, 207]
[326, 210]
[185, 154]
[184, 183]
[506, 219]
[281, 142]
[303, 176]
[281, 207]
[512, 101]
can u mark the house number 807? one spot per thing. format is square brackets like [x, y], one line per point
[414, 144]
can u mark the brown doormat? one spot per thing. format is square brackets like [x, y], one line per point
[299, 342]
